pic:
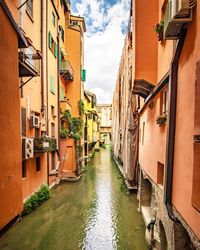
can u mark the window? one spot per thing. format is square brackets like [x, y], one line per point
[163, 102]
[53, 129]
[160, 173]
[62, 93]
[37, 164]
[29, 8]
[52, 84]
[52, 45]
[23, 169]
[61, 32]
[53, 166]
[53, 19]
[52, 110]
[23, 121]
[50, 41]
[74, 23]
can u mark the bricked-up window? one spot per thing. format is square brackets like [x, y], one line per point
[53, 165]
[23, 121]
[37, 160]
[160, 173]
[196, 144]
[29, 8]
[23, 169]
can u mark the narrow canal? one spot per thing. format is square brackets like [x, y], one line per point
[95, 213]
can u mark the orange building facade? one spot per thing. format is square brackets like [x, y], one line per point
[40, 49]
[164, 87]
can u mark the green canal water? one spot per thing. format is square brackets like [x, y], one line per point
[95, 213]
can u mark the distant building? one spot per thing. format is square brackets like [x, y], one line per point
[91, 125]
[105, 114]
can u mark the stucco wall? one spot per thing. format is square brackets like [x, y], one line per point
[10, 142]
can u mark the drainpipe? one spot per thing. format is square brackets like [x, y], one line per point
[171, 128]
[47, 89]
[58, 87]
[42, 50]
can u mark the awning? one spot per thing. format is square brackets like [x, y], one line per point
[142, 88]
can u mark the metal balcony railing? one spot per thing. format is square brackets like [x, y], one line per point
[29, 63]
[66, 70]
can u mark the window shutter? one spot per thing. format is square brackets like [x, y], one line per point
[52, 85]
[83, 75]
[62, 93]
[60, 59]
[50, 40]
[55, 50]
[23, 121]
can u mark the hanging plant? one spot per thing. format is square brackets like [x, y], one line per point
[81, 107]
[64, 133]
[158, 28]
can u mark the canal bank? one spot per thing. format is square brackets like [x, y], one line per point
[95, 213]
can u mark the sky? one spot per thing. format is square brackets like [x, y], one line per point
[106, 24]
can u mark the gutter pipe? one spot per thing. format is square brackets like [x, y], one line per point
[171, 128]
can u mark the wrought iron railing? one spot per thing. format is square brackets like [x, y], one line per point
[66, 70]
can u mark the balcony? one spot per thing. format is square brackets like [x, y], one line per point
[45, 144]
[66, 70]
[29, 62]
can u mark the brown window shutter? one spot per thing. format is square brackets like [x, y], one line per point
[23, 121]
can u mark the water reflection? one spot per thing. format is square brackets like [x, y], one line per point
[95, 213]
[101, 229]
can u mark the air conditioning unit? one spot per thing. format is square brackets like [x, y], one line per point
[27, 148]
[34, 121]
[177, 13]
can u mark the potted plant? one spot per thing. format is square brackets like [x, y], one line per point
[161, 120]
[158, 28]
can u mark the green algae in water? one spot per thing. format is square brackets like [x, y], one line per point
[95, 213]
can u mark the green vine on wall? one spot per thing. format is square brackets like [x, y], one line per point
[81, 107]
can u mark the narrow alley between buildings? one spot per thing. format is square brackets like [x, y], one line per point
[95, 213]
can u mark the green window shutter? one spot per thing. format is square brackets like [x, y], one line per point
[65, 65]
[83, 75]
[60, 59]
[62, 93]
[50, 40]
[52, 85]
[55, 50]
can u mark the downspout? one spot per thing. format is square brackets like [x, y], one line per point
[47, 89]
[58, 87]
[42, 63]
[171, 128]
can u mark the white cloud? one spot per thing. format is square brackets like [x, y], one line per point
[103, 43]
